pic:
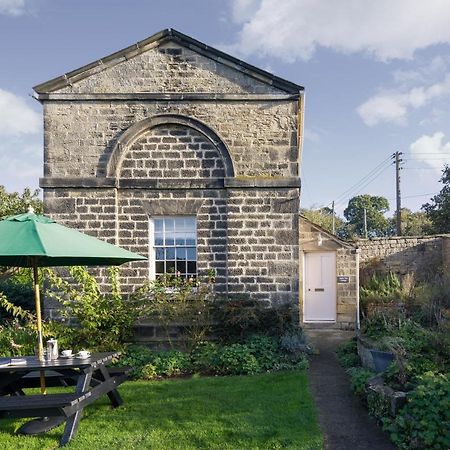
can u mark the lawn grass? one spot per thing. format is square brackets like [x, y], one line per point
[269, 411]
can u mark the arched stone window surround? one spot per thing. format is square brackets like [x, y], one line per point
[136, 130]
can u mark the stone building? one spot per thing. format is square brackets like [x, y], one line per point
[178, 151]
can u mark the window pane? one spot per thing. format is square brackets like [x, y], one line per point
[179, 239]
[191, 253]
[181, 266]
[159, 267]
[159, 239]
[158, 225]
[181, 253]
[190, 239]
[192, 267]
[170, 253]
[179, 224]
[170, 267]
[159, 254]
[170, 239]
[169, 225]
[190, 224]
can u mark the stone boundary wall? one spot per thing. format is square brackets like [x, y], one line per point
[421, 256]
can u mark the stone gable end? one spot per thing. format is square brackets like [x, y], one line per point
[167, 68]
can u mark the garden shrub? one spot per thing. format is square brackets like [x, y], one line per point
[347, 354]
[136, 356]
[237, 359]
[264, 349]
[359, 376]
[102, 322]
[171, 363]
[378, 405]
[424, 422]
[205, 357]
[17, 339]
[295, 342]
[237, 318]
[18, 293]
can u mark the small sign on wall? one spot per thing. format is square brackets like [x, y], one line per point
[343, 279]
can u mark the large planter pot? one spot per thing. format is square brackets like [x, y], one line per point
[381, 360]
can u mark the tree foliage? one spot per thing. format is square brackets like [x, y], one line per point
[376, 207]
[324, 218]
[413, 223]
[438, 210]
[16, 203]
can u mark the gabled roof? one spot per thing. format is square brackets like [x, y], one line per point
[329, 235]
[157, 39]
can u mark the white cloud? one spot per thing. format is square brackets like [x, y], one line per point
[12, 7]
[20, 143]
[386, 29]
[431, 150]
[393, 106]
[16, 117]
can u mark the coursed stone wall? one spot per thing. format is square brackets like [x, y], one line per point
[421, 256]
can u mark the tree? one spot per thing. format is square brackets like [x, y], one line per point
[377, 224]
[438, 210]
[324, 218]
[413, 223]
[15, 203]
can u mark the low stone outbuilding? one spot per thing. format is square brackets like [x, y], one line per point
[328, 279]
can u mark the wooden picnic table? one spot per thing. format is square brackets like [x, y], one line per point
[91, 378]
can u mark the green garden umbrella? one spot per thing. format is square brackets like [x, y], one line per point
[30, 240]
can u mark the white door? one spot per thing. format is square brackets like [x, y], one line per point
[320, 287]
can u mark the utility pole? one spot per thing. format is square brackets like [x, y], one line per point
[396, 156]
[365, 223]
[334, 219]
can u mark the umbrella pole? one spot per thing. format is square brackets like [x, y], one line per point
[37, 297]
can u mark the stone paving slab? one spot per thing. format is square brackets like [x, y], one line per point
[344, 421]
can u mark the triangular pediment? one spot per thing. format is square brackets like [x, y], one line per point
[168, 62]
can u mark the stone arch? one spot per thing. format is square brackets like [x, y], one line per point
[143, 126]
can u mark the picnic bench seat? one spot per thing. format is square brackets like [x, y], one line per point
[40, 405]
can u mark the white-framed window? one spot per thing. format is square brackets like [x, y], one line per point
[173, 246]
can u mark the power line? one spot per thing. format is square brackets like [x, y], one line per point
[366, 180]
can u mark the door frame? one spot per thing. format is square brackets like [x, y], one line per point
[330, 321]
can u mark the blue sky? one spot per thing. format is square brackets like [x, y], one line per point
[376, 75]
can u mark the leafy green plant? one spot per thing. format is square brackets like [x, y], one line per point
[18, 336]
[295, 342]
[205, 357]
[264, 349]
[102, 321]
[384, 287]
[347, 354]
[136, 356]
[237, 359]
[378, 405]
[424, 421]
[237, 318]
[358, 379]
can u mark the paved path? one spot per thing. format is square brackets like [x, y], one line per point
[343, 419]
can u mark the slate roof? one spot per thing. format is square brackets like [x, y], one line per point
[164, 36]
